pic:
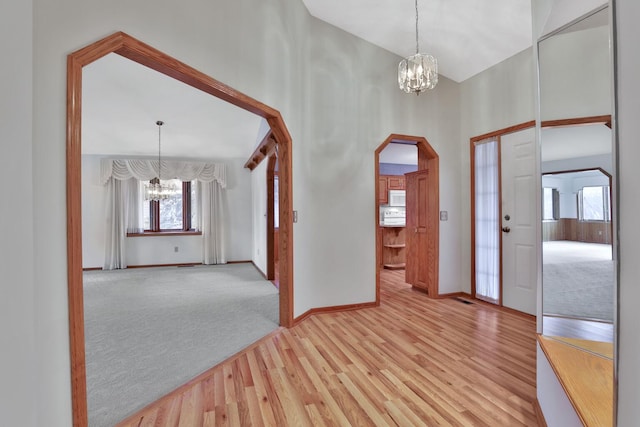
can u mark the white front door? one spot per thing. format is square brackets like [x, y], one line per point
[519, 221]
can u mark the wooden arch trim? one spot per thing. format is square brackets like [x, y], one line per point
[427, 159]
[137, 51]
[266, 147]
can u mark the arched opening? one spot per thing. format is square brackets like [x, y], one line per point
[426, 241]
[128, 47]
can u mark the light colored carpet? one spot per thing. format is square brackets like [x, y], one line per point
[579, 289]
[148, 331]
[566, 251]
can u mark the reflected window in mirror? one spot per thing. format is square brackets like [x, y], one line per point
[550, 204]
[593, 203]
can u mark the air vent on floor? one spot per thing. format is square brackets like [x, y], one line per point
[464, 301]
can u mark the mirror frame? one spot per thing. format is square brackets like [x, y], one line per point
[611, 123]
[139, 52]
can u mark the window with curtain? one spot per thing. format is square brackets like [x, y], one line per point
[593, 203]
[487, 220]
[200, 207]
[276, 203]
[174, 214]
[550, 204]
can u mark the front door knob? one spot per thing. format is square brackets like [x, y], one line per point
[506, 229]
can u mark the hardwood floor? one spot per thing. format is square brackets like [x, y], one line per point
[577, 328]
[412, 361]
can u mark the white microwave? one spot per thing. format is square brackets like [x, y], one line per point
[397, 198]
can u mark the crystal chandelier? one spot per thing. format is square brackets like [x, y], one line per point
[418, 72]
[156, 190]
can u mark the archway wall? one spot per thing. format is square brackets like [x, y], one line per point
[337, 107]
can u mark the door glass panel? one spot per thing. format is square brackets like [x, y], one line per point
[487, 221]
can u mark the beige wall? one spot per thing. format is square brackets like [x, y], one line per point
[495, 99]
[18, 321]
[338, 108]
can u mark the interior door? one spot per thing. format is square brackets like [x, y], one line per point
[418, 230]
[518, 212]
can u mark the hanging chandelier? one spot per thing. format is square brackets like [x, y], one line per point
[156, 190]
[418, 72]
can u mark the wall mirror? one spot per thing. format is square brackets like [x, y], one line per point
[578, 183]
[577, 179]
[579, 208]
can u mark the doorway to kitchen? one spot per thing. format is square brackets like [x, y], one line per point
[407, 204]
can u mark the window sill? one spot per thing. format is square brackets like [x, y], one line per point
[165, 233]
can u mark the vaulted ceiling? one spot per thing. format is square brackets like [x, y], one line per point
[466, 36]
[122, 100]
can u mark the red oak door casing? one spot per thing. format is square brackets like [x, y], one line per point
[418, 230]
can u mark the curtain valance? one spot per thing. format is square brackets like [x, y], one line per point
[145, 170]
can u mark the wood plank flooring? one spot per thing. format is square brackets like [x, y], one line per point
[577, 328]
[410, 362]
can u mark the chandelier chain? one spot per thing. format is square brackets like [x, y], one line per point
[417, 43]
[418, 72]
[159, 123]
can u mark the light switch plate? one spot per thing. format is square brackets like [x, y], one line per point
[444, 215]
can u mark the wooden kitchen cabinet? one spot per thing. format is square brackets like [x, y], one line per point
[383, 190]
[386, 183]
[396, 182]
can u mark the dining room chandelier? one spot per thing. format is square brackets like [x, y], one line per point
[418, 72]
[156, 190]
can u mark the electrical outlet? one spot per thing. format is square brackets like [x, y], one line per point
[444, 215]
[175, 249]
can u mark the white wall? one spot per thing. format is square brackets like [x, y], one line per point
[334, 179]
[553, 400]
[495, 99]
[303, 66]
[259, 218]
[93, 213]
[161, 249]
[604, 161]
[19, 376]
[549, 15]
[569, 63]
[628, 94]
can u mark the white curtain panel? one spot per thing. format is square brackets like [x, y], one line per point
[145, 170]
[487, 220]
[123, 179]
[124, 215]
[212, 222]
